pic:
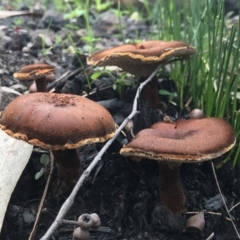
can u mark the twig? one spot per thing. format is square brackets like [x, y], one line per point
[69, 222]
[99, 229]
[43, 198]
[224, 202]
[63, 78]
[234, 206]
[212, 213]
[69, 201]
[210, 237]
[93, 92]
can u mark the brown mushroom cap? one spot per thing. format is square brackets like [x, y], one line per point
[34, 71]
[57, 121]
[186, 141]
[141, 59]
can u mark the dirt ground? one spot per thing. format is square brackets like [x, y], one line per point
[122, 192]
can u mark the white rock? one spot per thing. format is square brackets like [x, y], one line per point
[19, 88]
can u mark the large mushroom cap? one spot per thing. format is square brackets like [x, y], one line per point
[186, 141]
[33, 71]
[57, 121]
[141, 59]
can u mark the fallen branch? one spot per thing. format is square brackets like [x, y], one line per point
[63, 78]
[211, 236]
[69, 201]
[212, 213]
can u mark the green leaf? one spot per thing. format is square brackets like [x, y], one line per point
[173, 103]
[39, 174]
[44, 159]
[103, 6]
[75, 14]
[96, 75]
[164, 92]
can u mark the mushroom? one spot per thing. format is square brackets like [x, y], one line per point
[185, 141]
[86, 222]
[96, 221]
[141, 60]
[81, 234]
[196, 223]
[196, 114]
[37, 72]
[61, 123]
[33, 87]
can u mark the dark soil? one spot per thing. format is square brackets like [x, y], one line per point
[122, 192]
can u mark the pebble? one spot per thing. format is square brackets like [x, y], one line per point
[7, 95]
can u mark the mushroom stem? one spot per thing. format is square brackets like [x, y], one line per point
[69, 168]
[41, 84]
[150, 92]
[171, 191]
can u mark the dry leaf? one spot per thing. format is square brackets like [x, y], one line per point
[14, 155]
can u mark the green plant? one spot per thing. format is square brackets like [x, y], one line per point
[42, 36]
[80, 61]
[58, 40]
[44, 160]
[120, 82]
[144, 8]
[171, 96]
[81, 9]
[211, 76]
[18, 22]
[45, 51]
[102, 5]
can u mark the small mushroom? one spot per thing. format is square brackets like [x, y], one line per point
[141, 60]
[61, 123]
[81, 234]
[196, 223]
[33, 87]
[96, 221]
[196, 114]
[85, 221]
[37, 72]
[185, 141]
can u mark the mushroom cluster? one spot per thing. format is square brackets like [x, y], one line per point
[85, 223]
[170, 143]
[61, 123]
